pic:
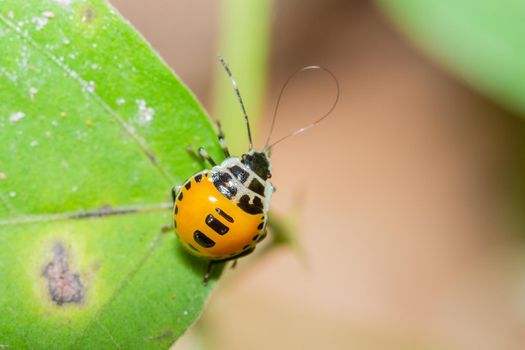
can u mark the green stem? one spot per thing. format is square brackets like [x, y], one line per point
[243, 42]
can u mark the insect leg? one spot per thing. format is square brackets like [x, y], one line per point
[206, 156]
[222, 140]
[209, 270]
[201, 155]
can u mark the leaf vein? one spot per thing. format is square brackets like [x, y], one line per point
[153, 245]
[86, 214]
[104, 328]
[6, 203]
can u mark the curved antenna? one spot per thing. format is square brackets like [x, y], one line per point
[304, 128]
[227, 69]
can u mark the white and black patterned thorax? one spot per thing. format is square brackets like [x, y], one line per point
[242, 185]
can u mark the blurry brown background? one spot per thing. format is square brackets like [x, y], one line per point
[405, 227]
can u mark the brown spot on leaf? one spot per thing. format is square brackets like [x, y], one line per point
[88, 15]
[64, 285]
[166, 229]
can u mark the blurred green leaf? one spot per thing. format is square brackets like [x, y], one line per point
[481, 41]
[91, 118]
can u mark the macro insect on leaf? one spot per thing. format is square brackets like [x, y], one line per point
[221, 214]
[93, 125]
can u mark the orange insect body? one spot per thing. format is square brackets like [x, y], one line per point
[213, 226]
[221, 214]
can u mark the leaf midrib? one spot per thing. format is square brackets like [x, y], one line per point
[139, 141]
[84, 214]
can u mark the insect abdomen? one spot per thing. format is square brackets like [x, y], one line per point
[210, 224]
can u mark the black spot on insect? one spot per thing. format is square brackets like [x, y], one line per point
[223, 214]
[261, 225]
[176, 211]
[246, 247]
[180, 196]
[239, 173]
[251, 208]
[188, 185]
[224, 185]
[64, 285]
[224, 191]
[261, 237]
[255, 237]
[257, 187]
[198, 178]
[258, 162]
[257, 202]
[216, 225]
[202, 239]
[225, 177]
[174, 224]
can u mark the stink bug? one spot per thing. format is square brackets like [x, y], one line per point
[221, 213]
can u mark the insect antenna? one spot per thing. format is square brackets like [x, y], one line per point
[227, 69]
[304, 128]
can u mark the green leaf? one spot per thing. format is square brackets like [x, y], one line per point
[90, 118]
[481, 41]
